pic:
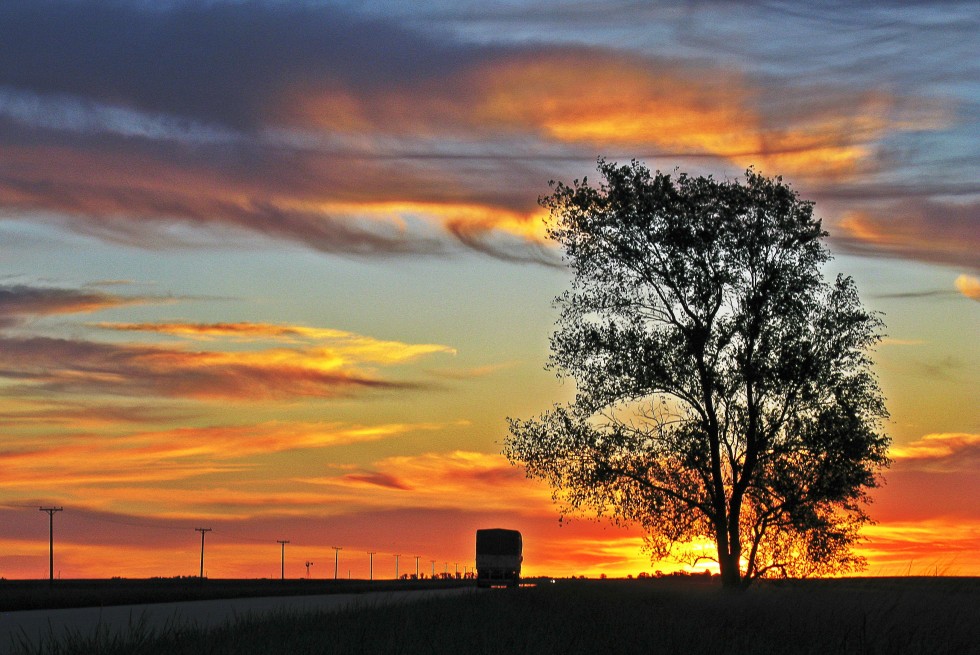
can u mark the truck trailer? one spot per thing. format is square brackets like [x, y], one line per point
[498, 557]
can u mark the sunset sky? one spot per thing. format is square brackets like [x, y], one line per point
[277, 268]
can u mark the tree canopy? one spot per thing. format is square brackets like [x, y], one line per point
[724, 389]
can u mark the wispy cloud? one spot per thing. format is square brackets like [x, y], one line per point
[91, 459]
[932, 293]
[74, 366]
[346, 345]
[293, 361]
[472, 373]
[457, 479]
[19, 303]
[358, 135]
[934, 546]
[86, 415]
[958, 449]
[376, 479]
[938, 232]
[891, 341]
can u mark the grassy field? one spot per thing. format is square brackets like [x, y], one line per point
[41, 594]
[868, 616]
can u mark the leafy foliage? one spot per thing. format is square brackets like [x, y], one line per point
[724, 389]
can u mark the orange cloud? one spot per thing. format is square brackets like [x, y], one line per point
[932, 478]
[458, 479]
[133, 196]
[94, 459]
[377, 170]
[344, 346]
[969, 286]
[428, 504]
[638, 103]
[630, 102]
[74, 366]
[420, 144]
[935, 446]
[236, 441]
[935, 546]
[22, 413]
[944, 233]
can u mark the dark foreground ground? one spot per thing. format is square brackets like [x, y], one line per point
[866, 616]
[42, 594]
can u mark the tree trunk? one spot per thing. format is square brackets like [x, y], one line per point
[731, 576]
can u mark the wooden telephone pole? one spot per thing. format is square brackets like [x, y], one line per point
[202, 531]
[282, 558]
[51, 511]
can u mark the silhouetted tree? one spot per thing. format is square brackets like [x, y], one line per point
[724, 389]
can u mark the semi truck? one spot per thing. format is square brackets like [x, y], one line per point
[499, 554]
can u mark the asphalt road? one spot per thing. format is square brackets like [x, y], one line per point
[35, 625]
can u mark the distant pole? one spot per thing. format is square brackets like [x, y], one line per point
[51, 511]
[371, 565]
[417, 558]
[433, 568]
[396, 566]
[202, 531]
[457, 569]
[282, 558]
[336, 560]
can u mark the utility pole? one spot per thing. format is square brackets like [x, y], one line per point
[282, 558]
[396, 566]
[336, 560]
[51, 511]
[417, 558]
[433, 568]
[457, 568]
[371, 566]
[202, 531]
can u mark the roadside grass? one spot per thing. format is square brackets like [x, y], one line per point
[866, 616]
[16, 595]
